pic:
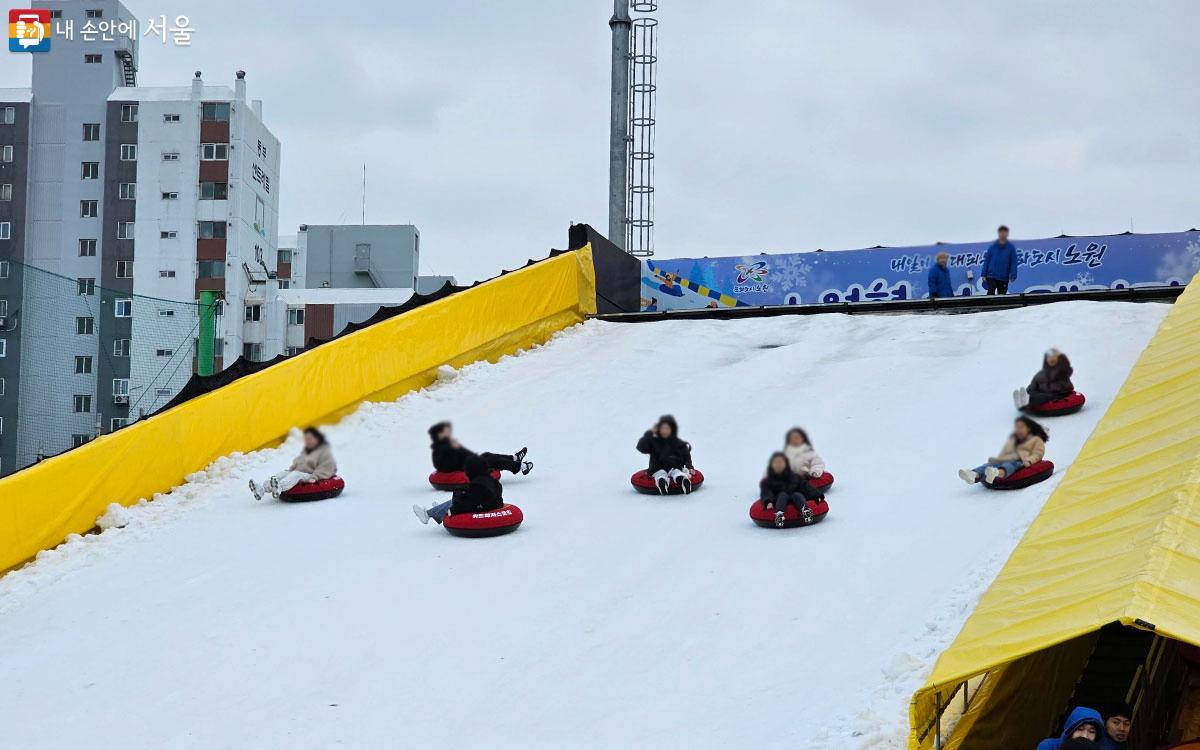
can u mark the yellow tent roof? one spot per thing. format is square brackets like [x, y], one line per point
[1118, 540]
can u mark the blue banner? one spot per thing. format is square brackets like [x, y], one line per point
[1058, 264]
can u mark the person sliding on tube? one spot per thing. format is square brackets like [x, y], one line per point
[670, 457]
[482, 493]
[1025, 447]
[781, 486]
[450, 456]
[313, 464]
[800, 454]
[1052, 382]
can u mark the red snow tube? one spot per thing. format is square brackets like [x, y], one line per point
[1059, 406]
[644, 484]
[453, 480]
[322, 490]
[1031, 474]
[791, 517]
[503, 520]
[823, 482]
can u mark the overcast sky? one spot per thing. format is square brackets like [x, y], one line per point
[784, 125]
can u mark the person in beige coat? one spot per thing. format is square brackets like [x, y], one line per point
[1025, 447]
[801, 457]
[313, 464]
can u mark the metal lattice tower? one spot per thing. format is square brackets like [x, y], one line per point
[631, 137]
[643, 87]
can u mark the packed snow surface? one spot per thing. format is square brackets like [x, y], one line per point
[610, 619]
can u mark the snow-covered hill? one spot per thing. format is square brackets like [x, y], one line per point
[610, 619]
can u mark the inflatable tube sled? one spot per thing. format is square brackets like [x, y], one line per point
[503, 520]
[642, 482]
[453, 480]
[791, 517]
[1058, 407]
[1033, 474]
[322, 490]
[823, 482]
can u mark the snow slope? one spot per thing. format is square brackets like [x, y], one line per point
[610, 619]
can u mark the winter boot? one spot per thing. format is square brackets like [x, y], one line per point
[254, 490]
[685, 483]
[273, 485]
[663, 484]
[527, 466]
[421, 514]
[968, 476]
[520, 455]
[991, 474]
[779, 518]
[806, 513]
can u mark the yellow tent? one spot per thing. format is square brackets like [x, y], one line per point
[1118, 541]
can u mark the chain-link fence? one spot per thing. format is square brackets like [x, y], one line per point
[80, 359]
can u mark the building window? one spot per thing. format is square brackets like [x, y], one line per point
[285, 283]
[172, 117]
[93, 59]
[214, 151]
[6, 154]
[252, 352]
[8, 116]
[3, 347]
[83, 365]
[91, 131]
[124, 269]
[214, 191]
[212, 230]
[124, 230]
[166, 273]
[123, 308]
[117, 423]
[129, 112]
[56, 14]
[83, 404]
[166, 313]
[170, 156]
[168, 235]
[90, 170]
[3, 309]
[120, 347]
[6, 191]
[5, 230]
[284, 256]
[214, 112]
[210, 269]
[87, 248]
[253, 313]
[162, 391]
[88, 209]
[3, 269]
[85, 326]
[78, 440]
[3, 384]
[128, 152]
[86, 287]
[164, 353]
[292, 351]
[170, 196]
[296, 316]
[95, 13]
[121, 387]
[127, 191]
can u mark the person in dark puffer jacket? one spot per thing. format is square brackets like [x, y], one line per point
[482, 493]
[449, 455]
[1052, 382]
[670, 457]
[781, 486]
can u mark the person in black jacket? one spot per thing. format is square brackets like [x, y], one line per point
[482, 493]
[449, 455]
[1052, 382]
[670, 457]
[781, 486]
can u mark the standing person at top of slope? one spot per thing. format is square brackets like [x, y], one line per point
[670, 457]
[313, 464]
[449, 455]
[780, 486]
[999, 264]
[940, 285]
[482, 493]
[1082, 723]
[1053, 381]
[1025, 447]
[800, 454]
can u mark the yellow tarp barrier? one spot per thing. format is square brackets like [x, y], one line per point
[1117, 541]
[41, 505]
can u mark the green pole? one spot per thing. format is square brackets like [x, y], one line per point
[206, 352]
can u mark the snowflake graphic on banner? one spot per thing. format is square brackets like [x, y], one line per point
[790, 272]
[1181, 266]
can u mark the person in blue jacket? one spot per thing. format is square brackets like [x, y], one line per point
[999, 264]
[1083, 723]
[939, 277]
